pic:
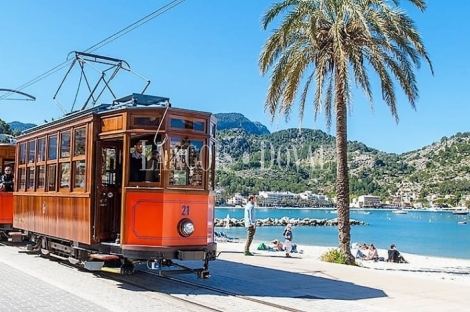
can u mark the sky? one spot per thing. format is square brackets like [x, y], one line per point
[203, 55]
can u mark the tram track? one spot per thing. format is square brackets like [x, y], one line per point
[226, 293]
[192, 294]
[126, 279]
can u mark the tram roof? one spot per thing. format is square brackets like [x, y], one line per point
[142, 99]
[134, 100]
[69, 117]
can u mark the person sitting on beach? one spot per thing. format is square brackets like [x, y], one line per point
[361, 251]
[394, 255]
[373, 253]
[277, 245]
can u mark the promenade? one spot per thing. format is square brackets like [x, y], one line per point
[31, 283]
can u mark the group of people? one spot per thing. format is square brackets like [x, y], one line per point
[250, 225]
[7, 180]
[369, 252]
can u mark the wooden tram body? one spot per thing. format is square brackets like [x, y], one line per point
[7, 158]
[76, 198]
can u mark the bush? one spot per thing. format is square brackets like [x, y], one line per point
[334, 256]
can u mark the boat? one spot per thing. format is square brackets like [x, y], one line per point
[462, 222]
[399, 211]
[460, 211]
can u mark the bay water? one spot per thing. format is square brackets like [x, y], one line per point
[426, 233]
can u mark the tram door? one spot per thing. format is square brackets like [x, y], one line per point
[108, 181]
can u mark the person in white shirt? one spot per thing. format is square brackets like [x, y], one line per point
[250, 223]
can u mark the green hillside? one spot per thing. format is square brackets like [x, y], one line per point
[296, 161]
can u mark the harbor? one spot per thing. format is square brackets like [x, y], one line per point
[422, 232]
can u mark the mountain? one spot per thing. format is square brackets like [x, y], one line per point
[299, 160]
[237, 120]
[19, 126]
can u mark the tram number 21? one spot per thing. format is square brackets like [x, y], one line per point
[185, 210]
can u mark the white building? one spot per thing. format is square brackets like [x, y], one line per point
[368, 201]
[308, 195]
[237, 200]
[276, 197]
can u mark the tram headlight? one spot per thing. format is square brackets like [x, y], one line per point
[186, 227]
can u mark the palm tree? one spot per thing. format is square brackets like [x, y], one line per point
[329, 43]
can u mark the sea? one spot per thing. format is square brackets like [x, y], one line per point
[428, 233]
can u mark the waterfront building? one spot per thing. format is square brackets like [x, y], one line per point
[365, 201]
[271, 199]
[275, 198]
[308, 195]
[237, 200]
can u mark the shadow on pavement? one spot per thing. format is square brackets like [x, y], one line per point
[254, 281]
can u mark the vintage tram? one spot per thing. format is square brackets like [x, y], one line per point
[7, 159]
[120, 186]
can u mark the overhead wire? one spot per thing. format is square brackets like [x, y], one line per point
[100, 44]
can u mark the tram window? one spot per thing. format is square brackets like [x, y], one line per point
[31, 176]
[65, 144]
[64, 175]
[41, 149]
[79, 175]
[108, 167]
[187, 124]
[186, 162]
[79, 142]
[213, 128]
[146, 121]
[210, 171]
[31, 151]
[52, 150]
[23, 153]
[51, 178]
[145, 160]
[152, 165]
[22, 173]
[41, 177]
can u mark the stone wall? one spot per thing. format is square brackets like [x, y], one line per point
[284, 221]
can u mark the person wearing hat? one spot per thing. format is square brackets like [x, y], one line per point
[288, 240]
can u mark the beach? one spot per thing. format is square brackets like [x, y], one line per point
[436, 268]
[435, 234]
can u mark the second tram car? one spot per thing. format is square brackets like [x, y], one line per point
[7, 159]
[120, 185]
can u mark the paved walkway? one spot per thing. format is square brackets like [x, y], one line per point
[31, 283]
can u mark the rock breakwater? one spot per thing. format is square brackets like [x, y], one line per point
[233, 222]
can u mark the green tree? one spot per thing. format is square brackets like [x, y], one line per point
[5, 128]
[340, 40]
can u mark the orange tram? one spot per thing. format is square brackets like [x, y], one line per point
[117, 187]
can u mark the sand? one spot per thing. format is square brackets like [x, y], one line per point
[423, 266]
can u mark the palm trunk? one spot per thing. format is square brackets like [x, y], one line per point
[342, 177]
